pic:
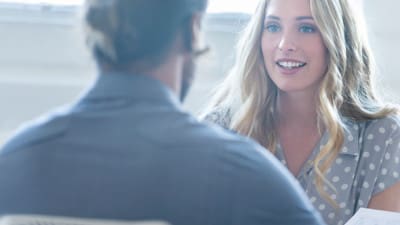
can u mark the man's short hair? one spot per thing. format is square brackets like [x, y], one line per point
[120, 32]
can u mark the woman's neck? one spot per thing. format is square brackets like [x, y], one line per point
[297, 110]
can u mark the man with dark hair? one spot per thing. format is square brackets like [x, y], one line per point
[127, 150]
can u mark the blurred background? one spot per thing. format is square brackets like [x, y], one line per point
[44, 62]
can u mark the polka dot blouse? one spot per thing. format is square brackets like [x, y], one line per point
[368, 163]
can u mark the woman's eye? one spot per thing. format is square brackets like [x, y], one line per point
[272, 28]
[307, 29]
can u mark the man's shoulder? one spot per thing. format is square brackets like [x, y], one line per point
[213, 139]
[216, 135]
[258, 178]
[43, 128]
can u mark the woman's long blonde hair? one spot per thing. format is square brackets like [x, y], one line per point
[346, 91]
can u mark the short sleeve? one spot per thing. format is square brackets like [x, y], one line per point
[389, 172]
[220, 116]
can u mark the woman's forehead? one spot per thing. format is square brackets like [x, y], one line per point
[288, 8]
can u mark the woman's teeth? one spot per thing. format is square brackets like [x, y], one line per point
[290, 65]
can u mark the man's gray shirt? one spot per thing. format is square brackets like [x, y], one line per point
[127, 150]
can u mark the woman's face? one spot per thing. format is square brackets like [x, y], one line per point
[294, 53]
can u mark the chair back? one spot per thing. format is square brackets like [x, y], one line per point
[58, 220]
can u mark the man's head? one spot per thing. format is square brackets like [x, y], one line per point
[122, 33]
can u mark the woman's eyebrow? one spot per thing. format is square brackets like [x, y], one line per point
[304, 18]
[272, 17]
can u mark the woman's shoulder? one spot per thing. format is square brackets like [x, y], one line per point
[388, 125]
[219, 115]
[381, 149]
[382, 133]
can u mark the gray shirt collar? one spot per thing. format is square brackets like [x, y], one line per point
[124, 85]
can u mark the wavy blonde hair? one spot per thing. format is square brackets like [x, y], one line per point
[346, 91]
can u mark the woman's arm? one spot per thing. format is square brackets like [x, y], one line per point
[388, 200]
[388, 179]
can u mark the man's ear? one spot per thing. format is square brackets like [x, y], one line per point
[192, 38]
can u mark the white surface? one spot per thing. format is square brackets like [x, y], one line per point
[366, 216]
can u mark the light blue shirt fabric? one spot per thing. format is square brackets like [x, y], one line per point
[126, 150]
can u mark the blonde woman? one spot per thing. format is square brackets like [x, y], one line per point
[302, 86]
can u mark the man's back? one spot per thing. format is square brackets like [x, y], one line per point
[127, 151]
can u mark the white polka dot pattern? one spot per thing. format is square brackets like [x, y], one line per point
[362, 169]
[382, 130]
[335, 179]
[350, 138]
[220, 116]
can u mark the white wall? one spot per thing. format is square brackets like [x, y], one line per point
[43, 62]
[383, 20]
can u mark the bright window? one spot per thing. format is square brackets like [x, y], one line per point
[246, 6]
[58, 2]
[215, 6]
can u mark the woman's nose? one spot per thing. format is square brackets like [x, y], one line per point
[287, 43]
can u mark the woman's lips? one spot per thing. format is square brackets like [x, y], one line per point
[290, 67]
